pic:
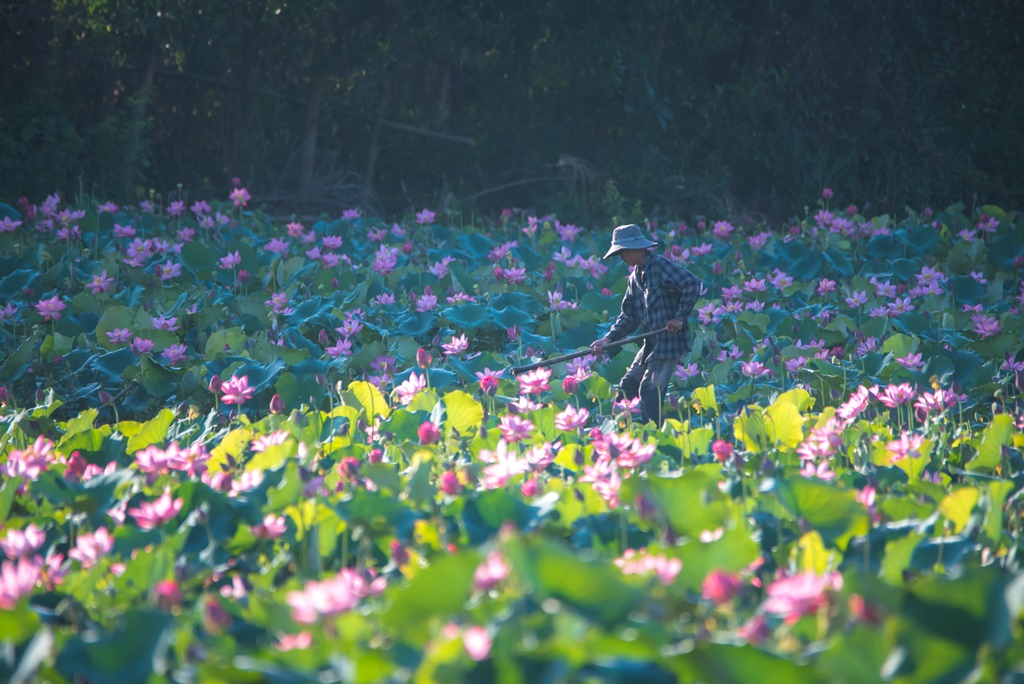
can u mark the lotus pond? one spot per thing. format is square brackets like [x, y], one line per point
[240, 448]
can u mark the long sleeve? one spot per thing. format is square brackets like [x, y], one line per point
[629, 317]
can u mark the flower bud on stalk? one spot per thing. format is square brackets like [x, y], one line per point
[449, 483]
[722, 450]
[423, 358]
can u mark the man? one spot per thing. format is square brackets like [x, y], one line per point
[660, 294]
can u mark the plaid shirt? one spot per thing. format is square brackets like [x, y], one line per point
[656, 293]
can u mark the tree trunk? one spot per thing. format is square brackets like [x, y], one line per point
[137, 127]
[312, 122]
[371, 155]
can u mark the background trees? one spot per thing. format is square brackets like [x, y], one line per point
[733, 107]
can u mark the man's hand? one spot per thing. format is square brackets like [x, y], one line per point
[598, 345]
[674, 325]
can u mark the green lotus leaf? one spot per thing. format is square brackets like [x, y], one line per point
[469, 316]
[367, 396]
[153, 431]
[464, 413]
[439, 591]
[996, 435]
[133, 652]
[834, 513]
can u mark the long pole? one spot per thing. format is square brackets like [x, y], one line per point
[516, 370]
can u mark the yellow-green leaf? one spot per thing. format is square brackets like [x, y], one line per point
[464, 412]
[369, 397]
[957, 506]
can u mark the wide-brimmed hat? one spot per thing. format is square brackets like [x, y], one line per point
[628, 237]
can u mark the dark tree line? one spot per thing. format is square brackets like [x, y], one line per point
[586, 107]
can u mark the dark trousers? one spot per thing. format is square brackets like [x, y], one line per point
[648, 380]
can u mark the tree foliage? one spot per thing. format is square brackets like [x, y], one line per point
[689, 107]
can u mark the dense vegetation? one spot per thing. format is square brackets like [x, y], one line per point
[587, 108]
[238, 449]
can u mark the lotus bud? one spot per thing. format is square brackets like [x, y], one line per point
[723, 450]
[5, 395]
[398, 553]
[215, 618]
[423, 358]
[348, 468]
[276, 404]
[334, 283]
[215, 383]
[529, 488]
[644, 508]
[570, 383]
[407, 248]
[321, 379]
[243, 276]
[376, 455]
[428, 433]
[168, 594]
[717, 268]
[322, 337]
[851, 210]
[1018, 261]
[449, 483]
[827, 193]
[40, 395]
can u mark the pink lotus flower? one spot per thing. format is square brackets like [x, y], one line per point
[277, 246]
[90, 547]
[231, 260]
[907, 446]
[343, 347]
[411, 387]
[175, 354]
[984, 326]
[488, 381]
[755, 369]
[895, 395]
[169, 323]
[99, 283]
[604, 478]
[425, 216]
[911, 361]
[236, 390]
[240, 197]
[794, 596]
[477, 642]
[50, 308]
[571, 418]
[427, 302]
[456, 346]
[665, 568]
[720, 586]
[16, 581]
[515, 429]
[150, 515]
[490, 572]
[293, 642]
[332, 596]
[23, 543]
[168, 270]
[535, 382]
